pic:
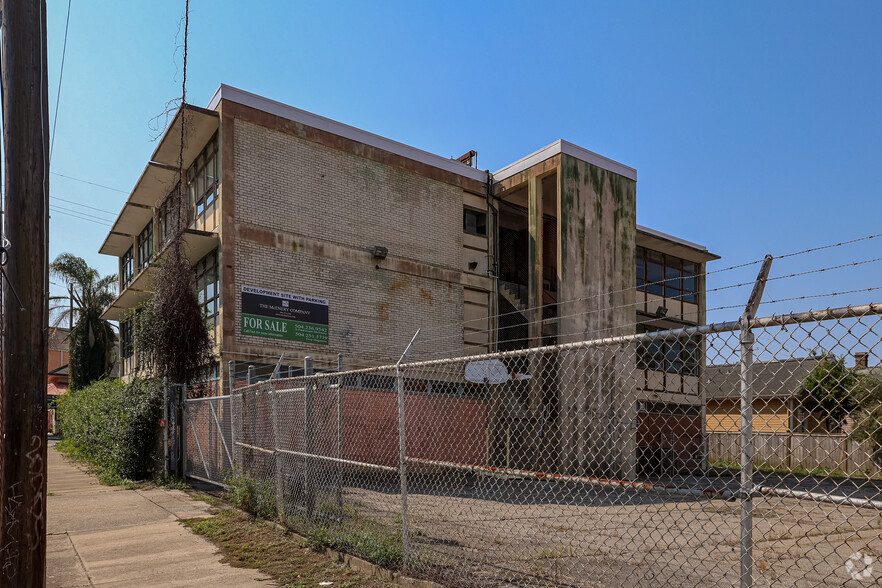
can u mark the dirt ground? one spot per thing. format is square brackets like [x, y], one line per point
[484, 531]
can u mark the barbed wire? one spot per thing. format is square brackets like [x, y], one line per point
[604, 309]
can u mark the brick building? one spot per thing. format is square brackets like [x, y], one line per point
[311, 237]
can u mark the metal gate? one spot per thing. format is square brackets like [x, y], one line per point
[208, 443]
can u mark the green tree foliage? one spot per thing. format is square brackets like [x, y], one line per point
[830, 387]
[113, 425]
[92, 340]
[170, 332]
[867, 418]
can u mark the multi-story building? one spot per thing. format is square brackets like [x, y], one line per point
[311, 237]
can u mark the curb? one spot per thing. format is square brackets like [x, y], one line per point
[367, 568]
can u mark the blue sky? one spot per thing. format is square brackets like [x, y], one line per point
[755, 127]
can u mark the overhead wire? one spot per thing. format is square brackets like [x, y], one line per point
[83, 205]
[75, 215]
[90, 183]
[60, 79]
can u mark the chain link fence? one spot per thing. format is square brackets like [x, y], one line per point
[737, 453]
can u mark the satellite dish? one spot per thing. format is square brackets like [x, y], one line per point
[490, 371]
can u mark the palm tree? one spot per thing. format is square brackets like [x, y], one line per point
[91, 339]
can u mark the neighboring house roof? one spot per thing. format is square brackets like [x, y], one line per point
[771, 379]
[56, 389]
[59, 339]
[60, 371]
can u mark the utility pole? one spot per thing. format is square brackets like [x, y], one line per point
[23, 420]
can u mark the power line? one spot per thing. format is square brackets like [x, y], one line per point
[84, 205]
[60, 78]
[81, 213]
[74, 215]
[90, 183]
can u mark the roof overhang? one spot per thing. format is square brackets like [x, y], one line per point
[564, 147]
[138, 290]
[196, 245]
[199, 125]
[664, 243]
[231, 94]
[153, 186]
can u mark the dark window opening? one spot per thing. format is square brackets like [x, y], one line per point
[666, 275]
[145, 246]
[127, 269]
[474, 222]
[674, 355]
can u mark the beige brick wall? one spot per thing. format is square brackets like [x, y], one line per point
[372, 313]
[289, 184]
[308, 190]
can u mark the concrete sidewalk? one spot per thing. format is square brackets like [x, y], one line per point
[104, 536]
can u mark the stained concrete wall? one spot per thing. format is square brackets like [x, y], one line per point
[596, 242]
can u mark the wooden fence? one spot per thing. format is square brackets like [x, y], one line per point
[797, 450]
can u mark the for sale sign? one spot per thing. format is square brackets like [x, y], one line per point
[282, 315]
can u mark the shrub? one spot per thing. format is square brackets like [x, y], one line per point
[257, 497]
[113, 426]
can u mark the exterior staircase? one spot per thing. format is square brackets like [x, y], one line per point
[515, 295]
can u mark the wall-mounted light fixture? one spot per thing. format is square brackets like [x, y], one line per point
[661, 312]
[379, 252]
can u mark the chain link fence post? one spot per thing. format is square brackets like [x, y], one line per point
[309, 436]
[746, 367]
[182, 410]
[402, 453]
[402, 459]
[165, 428]
[277, 456]
[339, 400]
[233, 446]
[747, 450]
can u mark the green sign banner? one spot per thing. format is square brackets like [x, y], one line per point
[285, 316]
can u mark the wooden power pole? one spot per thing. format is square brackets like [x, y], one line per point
[23, 422]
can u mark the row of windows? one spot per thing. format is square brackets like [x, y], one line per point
[145, 246]
[127, 267]
[127, 338]
[666, 275]
[203, 181]
[674, 356]
[207, 287]
[207, 282]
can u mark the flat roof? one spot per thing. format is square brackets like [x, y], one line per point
[672, 238]
[225, 92]
[565, 147]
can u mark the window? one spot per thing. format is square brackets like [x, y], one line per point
[145, 246]
[202, 180]
[127, 338]
[168, 219]
[666, 275]
[674, 356]
[474, 222]
[207, 287]
[127, 267]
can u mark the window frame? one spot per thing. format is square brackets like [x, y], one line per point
[680, 355]
[127, 267]
[203, 181]
[145, 245]
[672, 277]
[478, 214]
[202, 271]
[127, 338]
